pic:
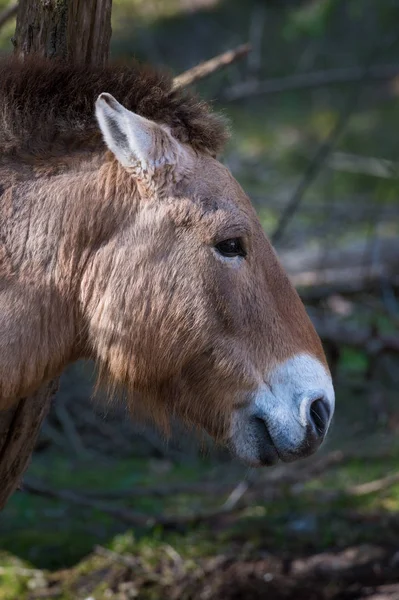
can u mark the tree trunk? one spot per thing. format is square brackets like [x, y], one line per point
[76, 31]
[19, 429]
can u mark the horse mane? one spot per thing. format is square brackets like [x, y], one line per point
[47, 107]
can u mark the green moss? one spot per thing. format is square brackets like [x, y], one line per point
[16, 577]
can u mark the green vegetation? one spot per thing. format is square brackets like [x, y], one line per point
[52, 534]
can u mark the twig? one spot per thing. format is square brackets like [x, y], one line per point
[378, 485]
[7, 14]
[316, 165]
[363, 489]
[210, 66]
[236, 495]
[314, 168]
[304, 81]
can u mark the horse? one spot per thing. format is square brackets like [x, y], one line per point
[124, 240]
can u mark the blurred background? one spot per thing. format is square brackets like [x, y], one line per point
[109, 509]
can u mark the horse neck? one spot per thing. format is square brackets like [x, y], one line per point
[52, 220]
[53, 216]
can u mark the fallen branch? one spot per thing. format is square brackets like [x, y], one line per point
[371, 487]
[163, 491]
[284, 474]
[210, 66]
[305, 81]
[331, 330]
[316, 285]
[236, 495]
[7, 14]
[134, 518]
[128, 516]
[363, 489]
[234, 502]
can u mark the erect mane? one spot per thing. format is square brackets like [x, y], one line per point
[47, 107]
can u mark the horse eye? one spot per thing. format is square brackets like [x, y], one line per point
[231, 248]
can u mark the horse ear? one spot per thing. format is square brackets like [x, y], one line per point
[132, 138]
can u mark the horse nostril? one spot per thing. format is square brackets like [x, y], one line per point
[319, 415]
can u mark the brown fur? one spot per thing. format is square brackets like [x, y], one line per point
[48, 106]
[96, 262]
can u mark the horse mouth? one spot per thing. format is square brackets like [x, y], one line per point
[267, 451]
[259, 450]
[287, 418]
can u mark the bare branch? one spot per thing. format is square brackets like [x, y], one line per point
[339, 281]
[314, 168]
[344, 335]
[304, 81]
[378, 485]
[131, 517]
[210, 66]
[316, 165]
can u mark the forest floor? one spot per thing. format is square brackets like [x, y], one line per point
[179, 526]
